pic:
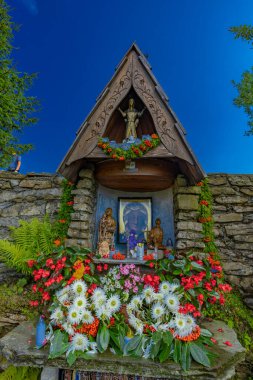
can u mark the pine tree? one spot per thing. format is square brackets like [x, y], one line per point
[244, 88]
[16, 108]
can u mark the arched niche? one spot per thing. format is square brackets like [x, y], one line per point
[116, 127]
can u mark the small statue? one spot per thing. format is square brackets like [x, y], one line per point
[131, 116]
[107, 227]
[155, 236]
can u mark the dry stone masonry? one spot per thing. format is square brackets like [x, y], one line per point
[26, 197]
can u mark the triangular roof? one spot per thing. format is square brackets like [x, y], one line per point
[133, 72]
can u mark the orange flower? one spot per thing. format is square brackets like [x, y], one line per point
[154, 136]
[79, 270]
[199, 184]
[89, 329]
[195, 334]
[122, 158]
[62, 221]
[57, 242]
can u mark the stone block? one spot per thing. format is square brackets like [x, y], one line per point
[191, 226]
[13, 210]
[237, 268]
[82, 192]
[83, 207]
[247, 246]
[187, 202]
[239, 229]
[80, 216]
[78, 234]
[226, 218]
[219, 208]
[190, 215]
[189, 235]
[217, 180]
[220, 190]
[180, 181]
[189, 190]
[49, 373]
[243, 208]
[85, 183]
[79, 225]
[237, 199]
[240, 180]
[247, 191]
[188, 244]
[33, 210]
[86, 173]
[244, 238]
[5, 185]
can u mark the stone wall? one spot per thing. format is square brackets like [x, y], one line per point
[233, 229]
[26, 197]
[82, 226]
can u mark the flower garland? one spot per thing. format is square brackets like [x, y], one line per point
[128, 150]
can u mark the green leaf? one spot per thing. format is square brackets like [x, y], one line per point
[155, 349]
[168, 338]
[59, 344]
[132, 344]
[205, 332]
[197, 266]
[177, 271]
[186, 357]
[156, 336]
[177, 351]
[165, 353]
[86, 355]
[199, 354]
[71, 358]
[104, 337]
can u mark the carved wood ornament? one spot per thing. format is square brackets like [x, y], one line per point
[135, 74]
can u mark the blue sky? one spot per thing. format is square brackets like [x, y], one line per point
[74, 45]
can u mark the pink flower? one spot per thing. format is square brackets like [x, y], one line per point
[135, 289]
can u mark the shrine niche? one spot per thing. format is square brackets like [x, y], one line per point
[134, 147]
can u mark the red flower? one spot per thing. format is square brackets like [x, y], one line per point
[214, 340]
[220, 330]
[57, 242]
[31, 263]
[34, 303]
[46, 296]
[122, 158]
[203, 202]
[199, 184]
[70, 203]
[34, 288]
[49, 262]
[105, 266]
[228, 343]
[151, 265]
[99, 268]
[59, 278]
[62, 221]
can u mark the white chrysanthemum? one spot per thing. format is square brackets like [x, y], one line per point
[87, 317]
[164, 326]
[190, 321]
[79, 287]
[172, 302]
[113, 303]
[167, 287]
[136, 303]
[158, 297]
[74, 315]
[136, 323]
[80, 302]
[63, 294]
[100, 301]
[104, 313]
[79, 342]
[157, 311]
[148, 294]
[57, 315]
[98, 292]
[180, 322]
[174, 286]
[68, 328]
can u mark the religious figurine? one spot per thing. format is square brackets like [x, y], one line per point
[131, 117]
[103, 249]
[155, 236]
[107, 227]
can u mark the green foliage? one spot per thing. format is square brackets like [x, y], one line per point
[244, 88]
[237, 315]
[28, 240]
[66, 208]
[20, 373]
[16, 109]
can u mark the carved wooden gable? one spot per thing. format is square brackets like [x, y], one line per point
[133, 77]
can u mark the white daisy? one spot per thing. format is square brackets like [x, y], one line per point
[190, 321]
[172, 302]
[79, 342]
[100, 301]
[57, 316]
[157, 311]
[68, 328]
[136, 302]
[113, 303]
[87, 317]
[80, 302]
[148, 294]
[74, 315]
[63, 294]
[79, 287]
[158, 297]
[104, 313]
[136, 323]
[98, 292]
